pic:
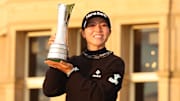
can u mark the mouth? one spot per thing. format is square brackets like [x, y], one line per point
[98, 36]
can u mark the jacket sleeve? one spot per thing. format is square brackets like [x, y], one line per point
[54, 82]
[100, 89]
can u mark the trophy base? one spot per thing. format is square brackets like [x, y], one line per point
[55, 59]
[57, 52]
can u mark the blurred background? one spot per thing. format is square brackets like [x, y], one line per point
[144, 34]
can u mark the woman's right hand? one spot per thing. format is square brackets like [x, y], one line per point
[51, 39]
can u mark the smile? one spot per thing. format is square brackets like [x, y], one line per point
[98, 36]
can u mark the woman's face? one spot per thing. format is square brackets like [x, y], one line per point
[96, 33]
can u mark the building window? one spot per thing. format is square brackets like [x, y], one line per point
[146, 91]
[38, 50]
[36, 54]
[144, 62]
[145, 48]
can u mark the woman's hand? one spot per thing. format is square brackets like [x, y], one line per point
[62, 66]
[51, 39]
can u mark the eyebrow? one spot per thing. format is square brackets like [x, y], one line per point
[94, 21]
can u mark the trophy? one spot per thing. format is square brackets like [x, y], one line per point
[58, 50]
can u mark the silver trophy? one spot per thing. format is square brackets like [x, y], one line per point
[58, 50]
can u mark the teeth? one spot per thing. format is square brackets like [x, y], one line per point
[98, 36]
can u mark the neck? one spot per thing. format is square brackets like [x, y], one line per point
[91, 48]
[98, 54]
[100, 51]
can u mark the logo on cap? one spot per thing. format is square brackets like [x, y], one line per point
[95, 14]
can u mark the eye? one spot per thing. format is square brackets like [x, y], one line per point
[104, 24]
[91, 24]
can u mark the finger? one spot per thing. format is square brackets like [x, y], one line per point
[50, 42]
[51, 39]
[49, 62]
[65, 63]
[62, 62]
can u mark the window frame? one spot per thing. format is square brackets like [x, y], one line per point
[32, 82]
[139, 77]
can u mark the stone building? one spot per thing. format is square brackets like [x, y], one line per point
[144, 34]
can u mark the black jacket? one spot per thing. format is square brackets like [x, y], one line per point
[96, 80]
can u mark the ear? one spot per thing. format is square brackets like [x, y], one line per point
[110, 30]
[83, 34]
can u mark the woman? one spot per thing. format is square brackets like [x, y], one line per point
[96, 74]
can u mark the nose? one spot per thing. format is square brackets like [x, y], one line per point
[98, 28]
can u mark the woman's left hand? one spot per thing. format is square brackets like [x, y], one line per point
[62, 65]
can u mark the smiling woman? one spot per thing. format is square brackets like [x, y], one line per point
[97, 71]
[96, 33]
[152, 63]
